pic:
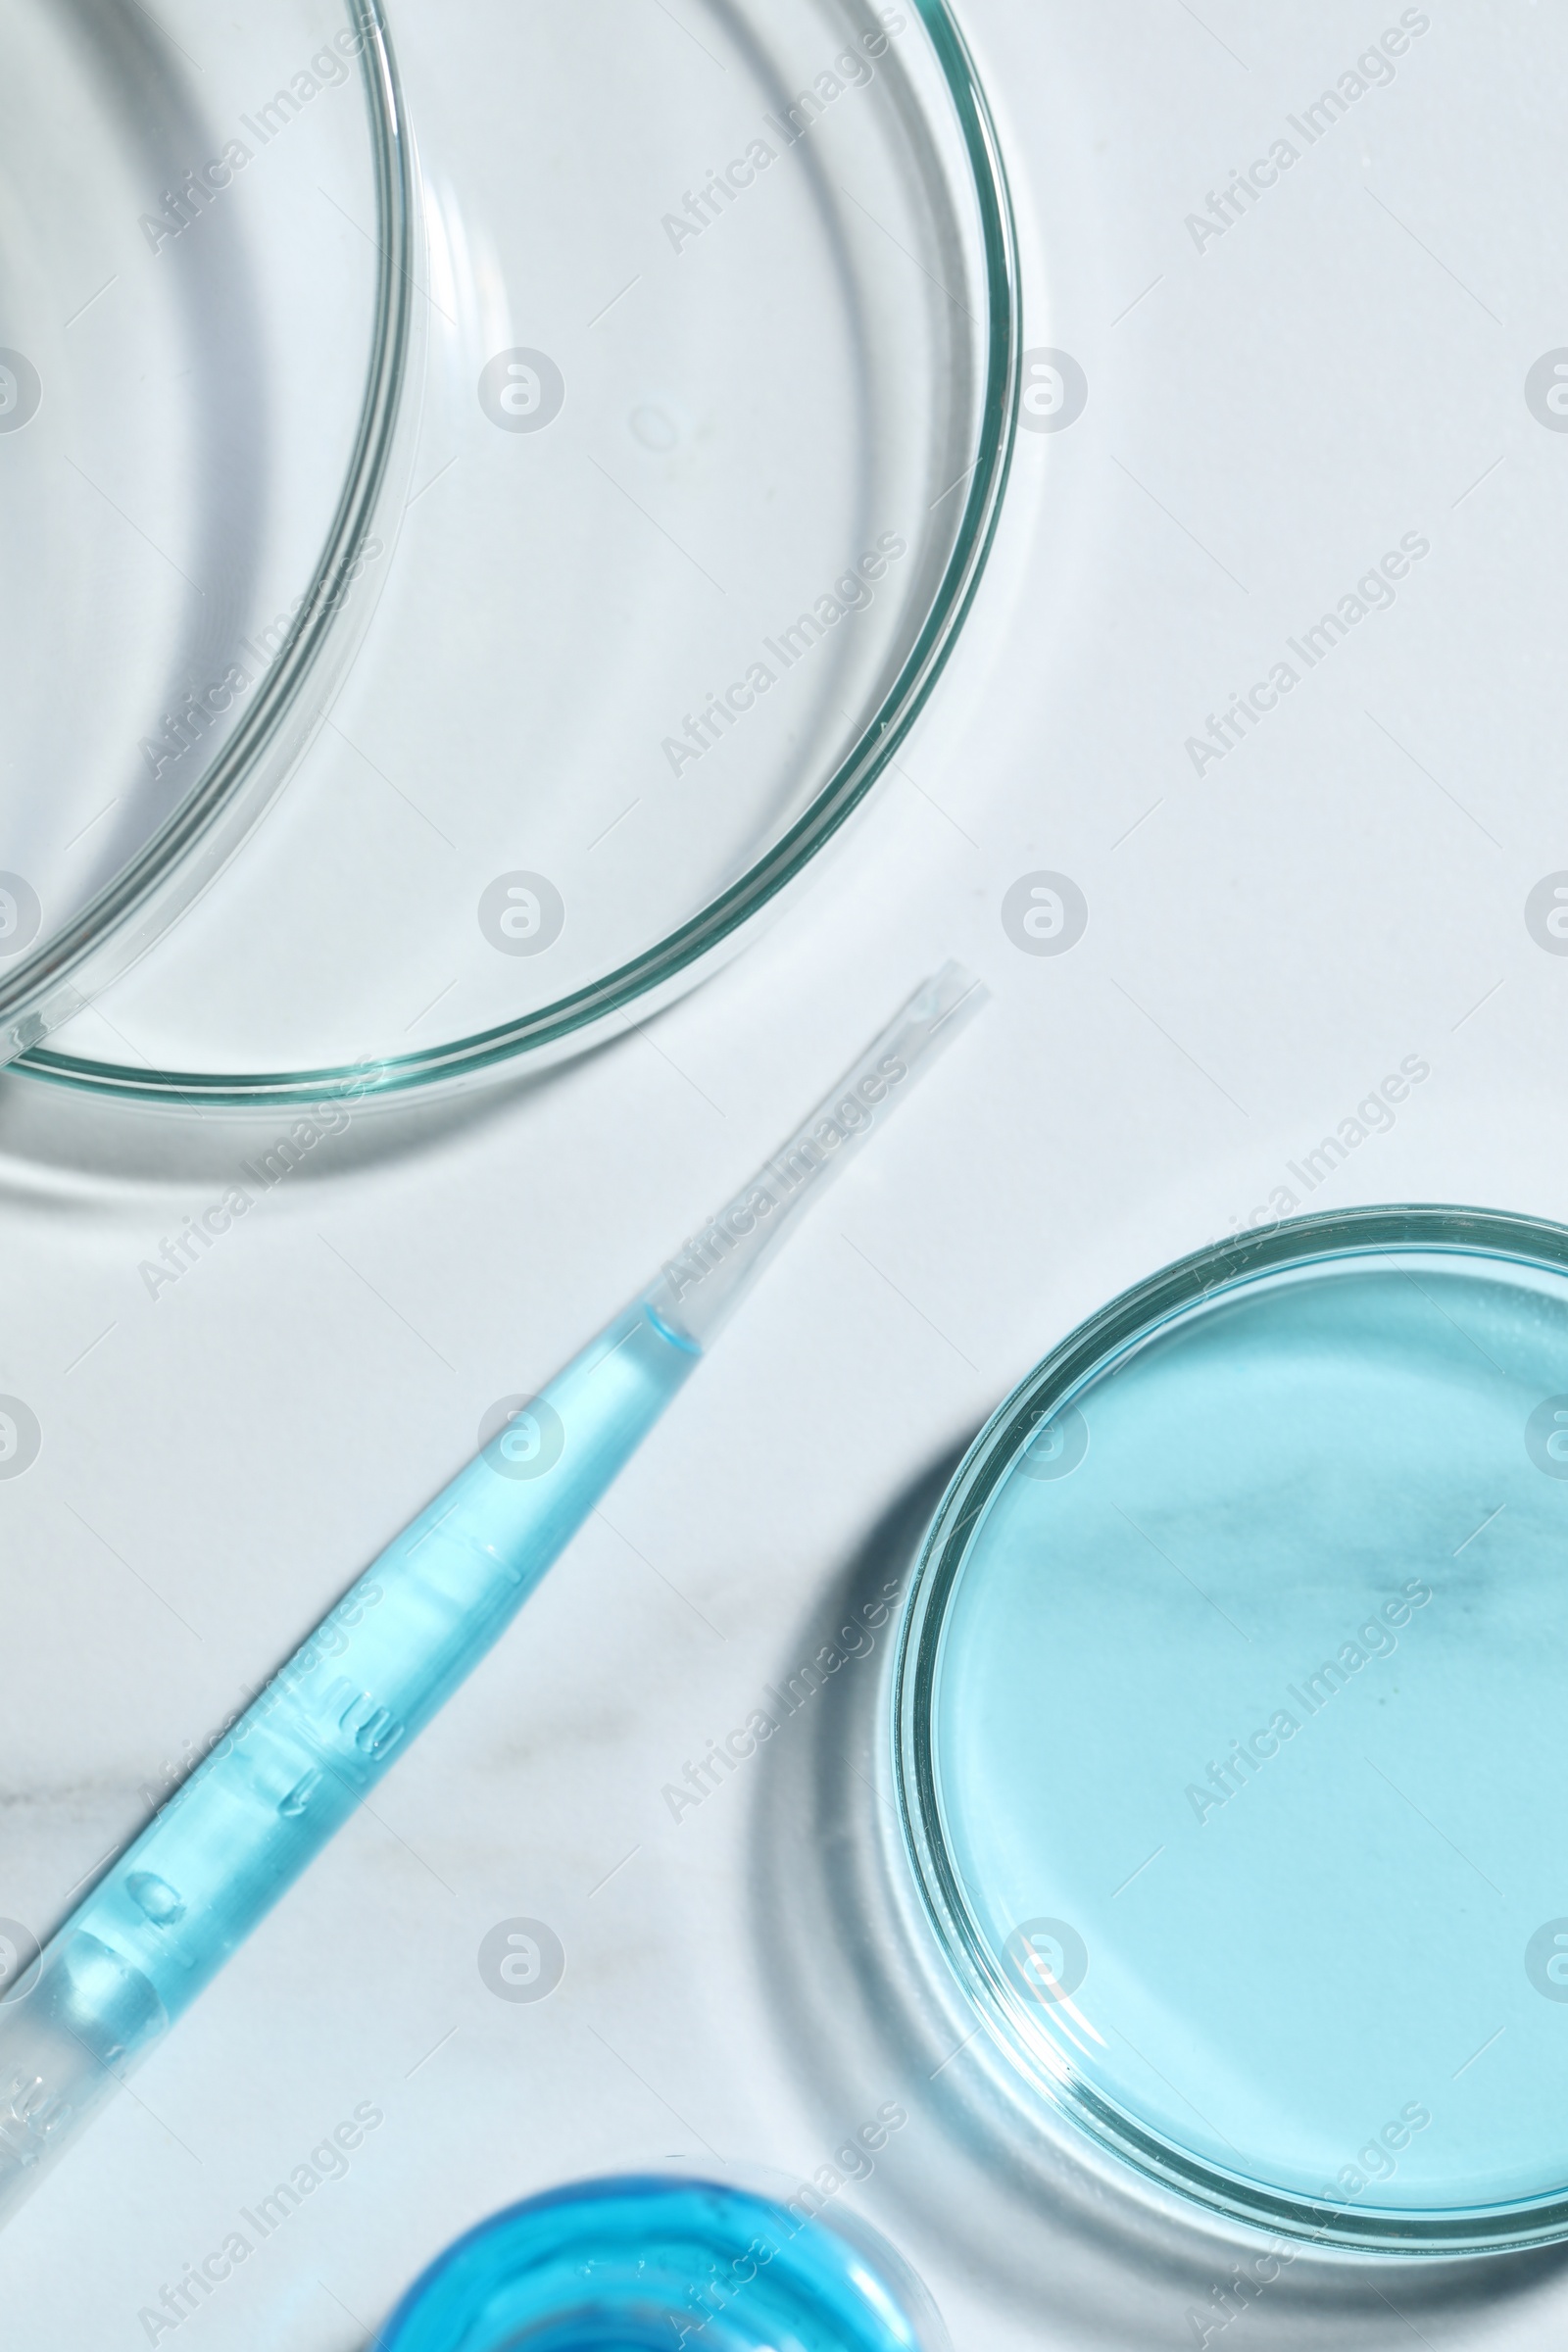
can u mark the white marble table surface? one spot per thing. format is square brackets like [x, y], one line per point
[1270, 408]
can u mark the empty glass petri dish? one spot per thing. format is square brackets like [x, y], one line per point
[721, 370]
[642, 2263]
[1230, 1722]
[205, 330]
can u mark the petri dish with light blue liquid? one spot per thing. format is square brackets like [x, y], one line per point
[1230, 1709]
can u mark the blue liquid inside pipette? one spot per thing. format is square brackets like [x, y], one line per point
[280, 1780]
[275, 1789]
[331, 1722]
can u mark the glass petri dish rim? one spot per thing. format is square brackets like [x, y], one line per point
[680, 960]
[1137, 1312]
[178, 860]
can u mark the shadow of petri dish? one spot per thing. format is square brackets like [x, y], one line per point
[720, 377]
[1227, 1752]
[204, 331]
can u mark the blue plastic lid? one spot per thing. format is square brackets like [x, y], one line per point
[651, 2263]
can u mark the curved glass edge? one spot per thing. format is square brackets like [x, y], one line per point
[197, 839]
[689, 954]
[1128, 1319]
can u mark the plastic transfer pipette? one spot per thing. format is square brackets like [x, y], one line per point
[275, 1786]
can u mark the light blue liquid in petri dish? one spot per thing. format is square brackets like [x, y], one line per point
[1246, 1744]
